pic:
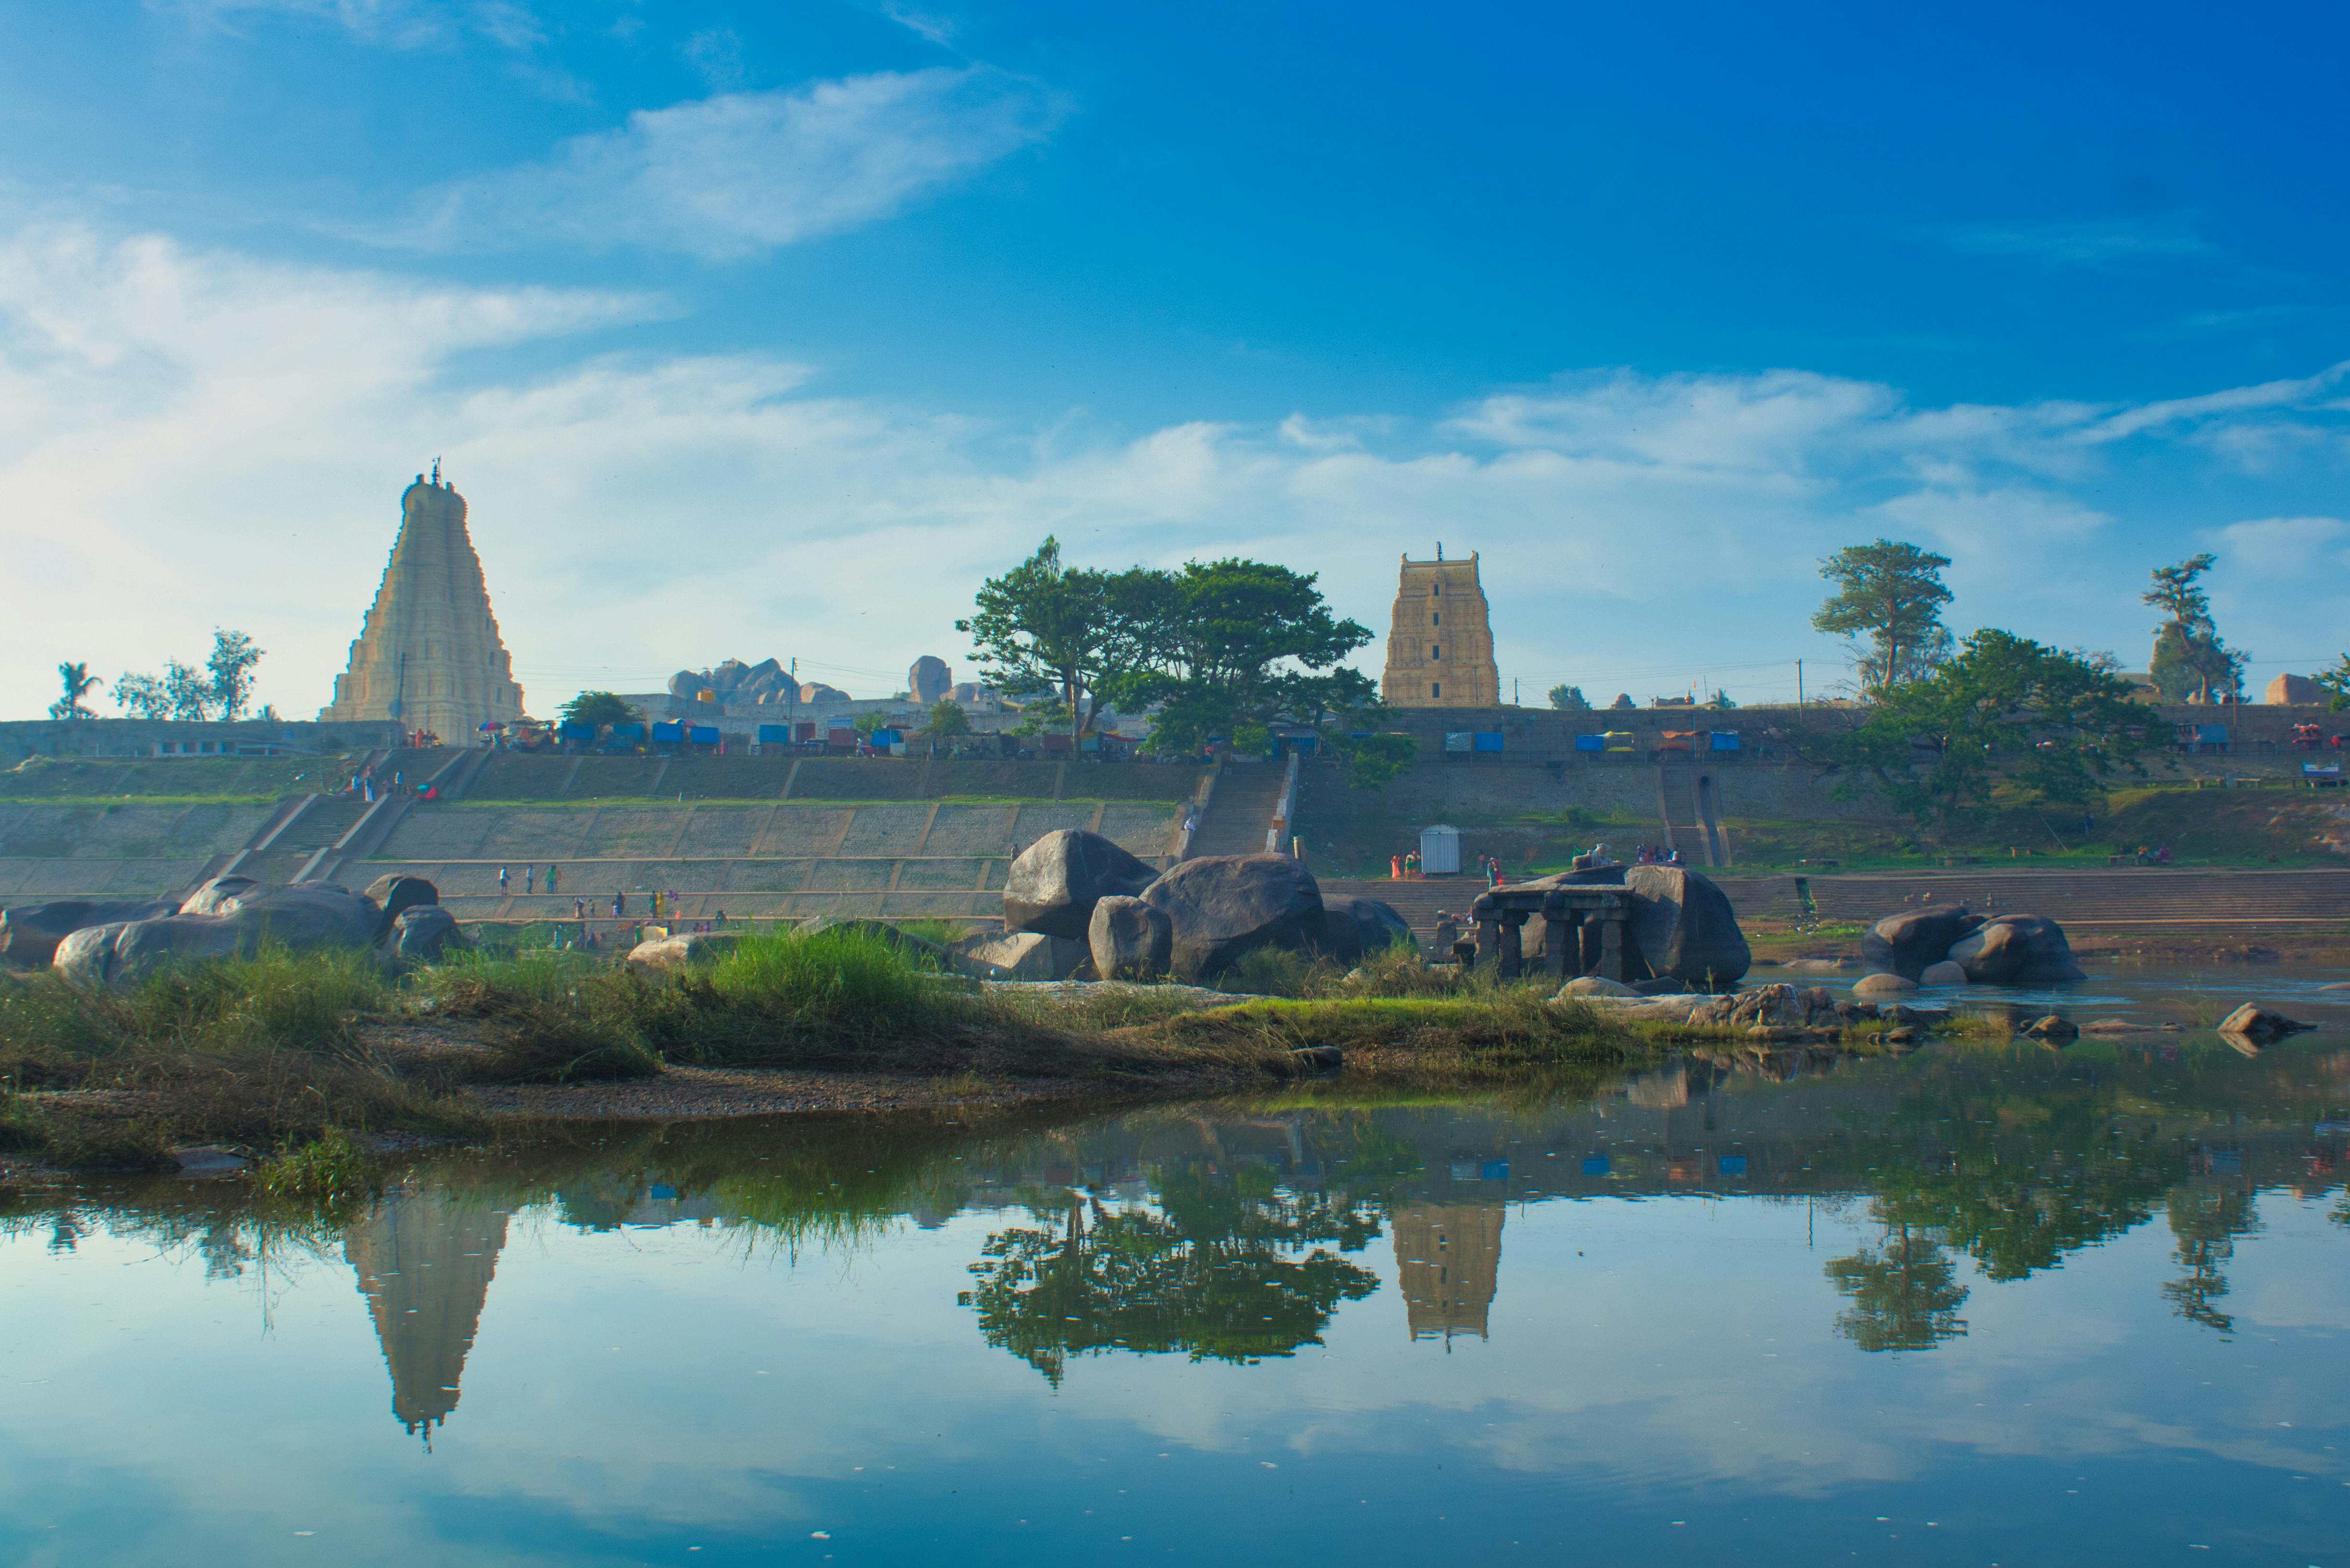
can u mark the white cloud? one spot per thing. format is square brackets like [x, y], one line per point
[2285, 547]
[196, 439]
[743, 174]
[388, 24]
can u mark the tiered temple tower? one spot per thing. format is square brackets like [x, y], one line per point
[1447, 1266]
[429, 655]
[1440, 647]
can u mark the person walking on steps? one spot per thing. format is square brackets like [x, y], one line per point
[529, 879]
[501, 880]
[550, 879]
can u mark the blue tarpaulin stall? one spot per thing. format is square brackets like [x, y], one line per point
[1590, 742]
[1722, 740]
[668, 732]
[701, 734]
[572, 732]
[775, 734]
[1489, 740]
[629, 732]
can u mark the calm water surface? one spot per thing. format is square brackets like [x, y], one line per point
[1979, 1305]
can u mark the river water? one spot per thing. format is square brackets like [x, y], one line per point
[1978, 1304]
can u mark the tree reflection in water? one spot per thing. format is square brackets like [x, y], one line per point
[1222, 1266]
[2205, 1220]
[1905, 1293]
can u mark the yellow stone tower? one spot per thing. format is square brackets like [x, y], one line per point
[429, 654]
[1440, 647]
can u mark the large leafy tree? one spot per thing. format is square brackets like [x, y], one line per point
[223, 688]
[78, 683]
[598, 709]
[1569, 700]
[181, 691]
[1888, 601]
[2005, 712]
[2336, 683]
[231, 671]
[2190, 658]
[1075, 631]
[1233, 645]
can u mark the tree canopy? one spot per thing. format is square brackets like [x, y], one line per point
[2188, 657]
[2005, 712]
[1888, 601]
[1569, 700]
[598, 709]
[1212, 649]
[78, 683]
[1072, 631]
[2336, 683]
[222, 690]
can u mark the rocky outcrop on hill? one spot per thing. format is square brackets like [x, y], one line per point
[929, 680]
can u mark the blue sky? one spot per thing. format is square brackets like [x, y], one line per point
[753, 330]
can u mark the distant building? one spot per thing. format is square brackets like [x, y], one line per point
[1440, 645]
[429, 655]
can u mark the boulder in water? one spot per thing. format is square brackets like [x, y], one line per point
[1053, 884]
[1684, 926]
[1883, 985]
[1943, 973]
[1904, 944]
[2259, 1025]
[2016, 950]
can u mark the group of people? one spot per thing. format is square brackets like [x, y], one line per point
[1404, 868]
[1649, 855]
[530, 882]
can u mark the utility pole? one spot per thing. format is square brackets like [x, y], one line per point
[1799, 686]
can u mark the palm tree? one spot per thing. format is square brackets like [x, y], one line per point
[79, 683]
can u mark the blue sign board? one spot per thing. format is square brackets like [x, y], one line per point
[1489, 740]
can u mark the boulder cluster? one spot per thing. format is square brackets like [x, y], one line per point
[767, 682]
[1947, 944]
[1193, 921]
[97, 944]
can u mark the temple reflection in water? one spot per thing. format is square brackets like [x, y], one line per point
[424, 1257]
[1230, 1233]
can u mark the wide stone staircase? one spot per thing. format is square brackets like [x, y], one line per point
[1239, 814]
[1686, 829]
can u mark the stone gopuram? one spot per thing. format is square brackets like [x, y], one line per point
[1440, 647]
[429, 655]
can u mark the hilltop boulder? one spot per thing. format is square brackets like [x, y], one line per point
[1225, 906]
[1055, 884]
